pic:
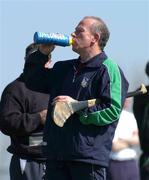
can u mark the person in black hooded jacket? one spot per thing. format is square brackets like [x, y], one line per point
[23, 109]
[141, 112]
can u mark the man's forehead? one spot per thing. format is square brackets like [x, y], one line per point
[86, 22]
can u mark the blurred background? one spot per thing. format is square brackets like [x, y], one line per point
[128, 22]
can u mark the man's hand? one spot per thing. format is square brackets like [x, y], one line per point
[43, 115]
[63, 99]
[46, 48]
[62, 109]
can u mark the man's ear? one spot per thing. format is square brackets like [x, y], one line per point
[96, 38]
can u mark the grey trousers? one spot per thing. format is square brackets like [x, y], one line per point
[31, 170]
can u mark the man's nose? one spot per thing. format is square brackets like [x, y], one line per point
[73, 34]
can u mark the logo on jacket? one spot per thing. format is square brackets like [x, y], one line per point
[84, 82]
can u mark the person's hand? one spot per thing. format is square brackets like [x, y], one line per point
[63, 99]
[48, 64]
[43, 115]
[46, 48]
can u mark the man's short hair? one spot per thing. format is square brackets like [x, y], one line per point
[101, 28]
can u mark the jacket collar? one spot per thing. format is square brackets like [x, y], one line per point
[94, 62]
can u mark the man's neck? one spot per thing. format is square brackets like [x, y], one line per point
[84, 57]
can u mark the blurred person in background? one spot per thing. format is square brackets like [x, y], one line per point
[123, 158]
[141, 112]
[23, 113]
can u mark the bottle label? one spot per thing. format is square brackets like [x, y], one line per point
[53, 38]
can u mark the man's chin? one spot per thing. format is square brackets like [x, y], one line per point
[75, 49]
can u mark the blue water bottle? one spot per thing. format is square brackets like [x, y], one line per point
[52, 38]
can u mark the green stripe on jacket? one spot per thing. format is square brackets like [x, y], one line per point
[112, 113]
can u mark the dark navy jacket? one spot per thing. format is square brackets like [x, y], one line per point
[87, 135]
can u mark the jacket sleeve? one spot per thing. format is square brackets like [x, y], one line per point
[112, 92]
[37, 78]
[13, 118]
